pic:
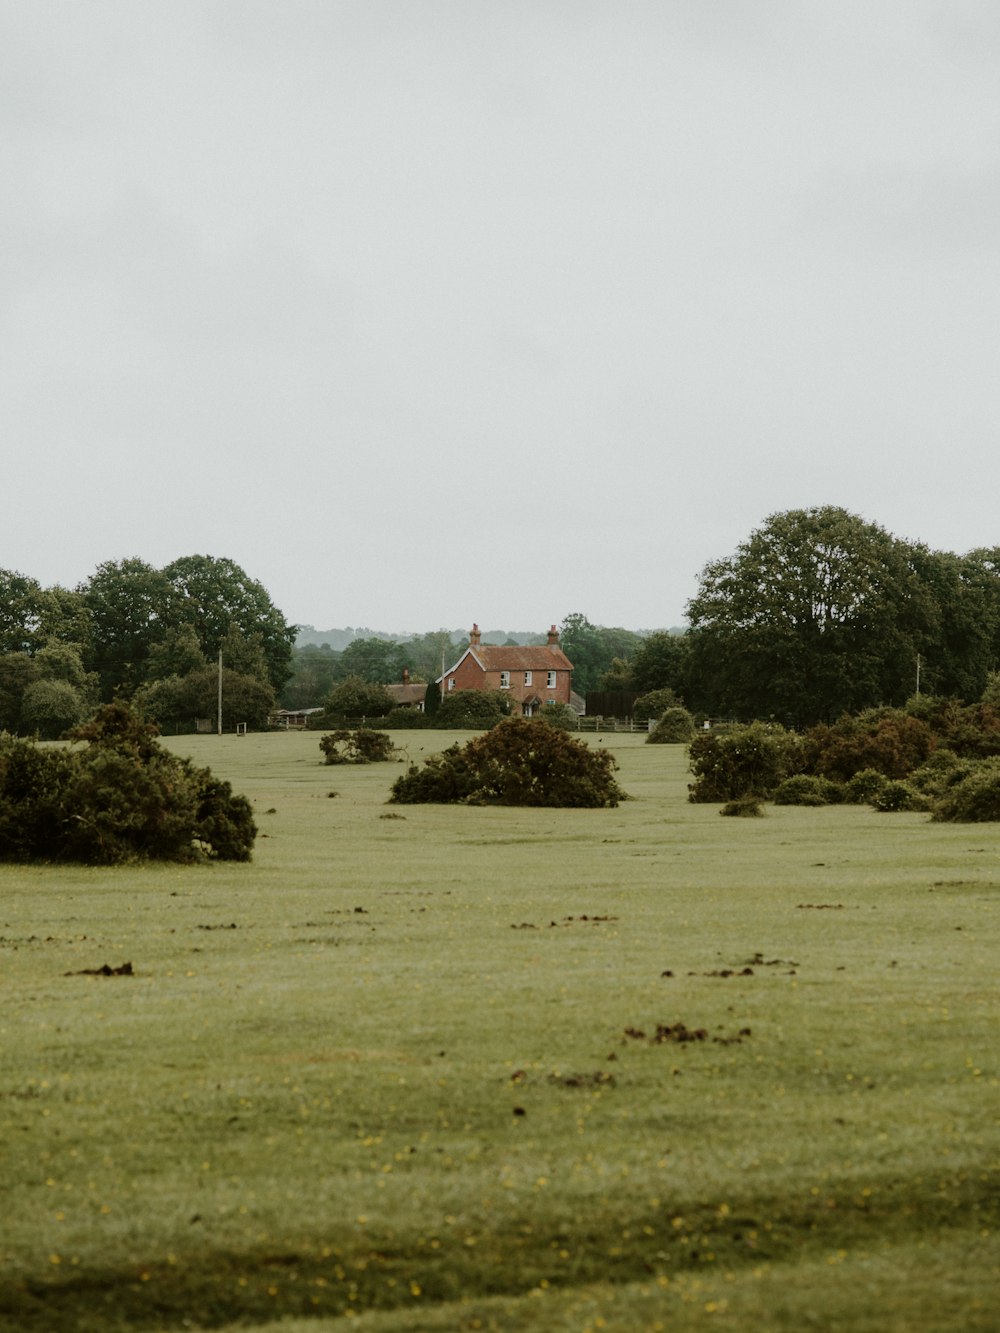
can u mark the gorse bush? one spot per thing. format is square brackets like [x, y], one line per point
[676, 726]
[888, 740]
[807, 789]
[750, 760]
[119, 798]
[518, 762]
[362, 746]
[975, 797]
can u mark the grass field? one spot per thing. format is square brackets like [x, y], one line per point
[446, 1069]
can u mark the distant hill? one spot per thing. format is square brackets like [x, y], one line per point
[338, 639]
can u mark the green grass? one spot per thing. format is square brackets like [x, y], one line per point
[380, 1077]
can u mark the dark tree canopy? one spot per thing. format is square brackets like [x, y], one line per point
[817, 613]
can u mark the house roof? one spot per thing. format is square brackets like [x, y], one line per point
[514, 657]
[407, 693]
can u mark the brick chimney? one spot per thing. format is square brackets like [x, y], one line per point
[406, 675]
[474, 637]
[553, 637]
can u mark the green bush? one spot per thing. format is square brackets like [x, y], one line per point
[559, 715]
[975, 798]
[675, 727]
[50, 707]
[864, 787]
[744, 807]
[472, 710]
[119, 798]
[896, 795]
[742, 761]
[355, 697]
[654, 704]
[520, 761]
[807, 789]
[362, 746]
[405, 719]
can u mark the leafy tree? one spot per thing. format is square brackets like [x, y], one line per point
[315, 668]
[376, 661]
[430, 654]
[22, 611]
[521, 762]
[177, 654]
[470, 710]
[654, 704]
[816, 614]
[17, 672]
[50, 707]
[214, 595]
[179, 700]
[661, 662]
[592, 649]
[432, 699]
[131, 607]
[355, 697]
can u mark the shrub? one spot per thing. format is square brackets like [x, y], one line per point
[520, 761]
[886, 739]
[559, 715]
[654, 704]
[894, 795]
[362, 746]
[864, 787]
[472, 710]
[975, 798]
[807, 789]
[676, 726]
[941, 772]
[405, 719]
[744, 807]
[120, 798]
[50, 707]
[746, 760]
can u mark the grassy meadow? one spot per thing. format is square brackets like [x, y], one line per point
[446, 1069]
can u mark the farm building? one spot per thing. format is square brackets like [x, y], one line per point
[534, 676]
[408, 694]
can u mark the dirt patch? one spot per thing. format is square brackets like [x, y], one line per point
[105, 970]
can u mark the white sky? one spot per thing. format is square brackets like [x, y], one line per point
[433, 311]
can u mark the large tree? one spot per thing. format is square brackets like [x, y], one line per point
[817, 613]
[131, 608]
[377, 661]
[215, 596]
[592, 649]
[22, 612]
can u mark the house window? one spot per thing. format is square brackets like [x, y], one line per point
[505, 680]
[451, 682]
[527, 678]
[551, 682]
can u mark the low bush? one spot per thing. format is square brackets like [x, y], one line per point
[975, 798]
[362, 746]
[744, 807]
[675, 727]
[654, 704]
[807, 789]
[405, 719]
[895, 795]
[120, 798]
[520, 761]
[863, 787]
[742, 761]
[559, 715]
[888, 740]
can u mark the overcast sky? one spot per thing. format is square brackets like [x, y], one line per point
[433, 311]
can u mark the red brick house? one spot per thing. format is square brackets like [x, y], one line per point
[533, 676]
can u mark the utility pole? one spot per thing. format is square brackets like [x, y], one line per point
[220, 692]
[918, 673]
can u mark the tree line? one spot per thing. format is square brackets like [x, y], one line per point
[816, 614]
[144, 635]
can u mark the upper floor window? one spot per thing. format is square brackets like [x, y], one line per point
[551, 682]
[505, 680]
[527, 678]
